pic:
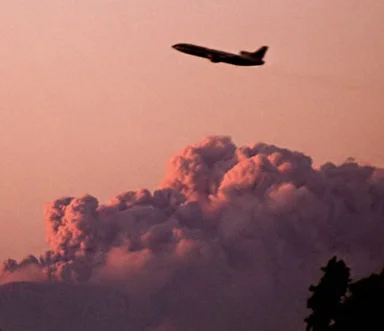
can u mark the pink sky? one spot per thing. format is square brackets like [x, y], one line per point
[95, 100]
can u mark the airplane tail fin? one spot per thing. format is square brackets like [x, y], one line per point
[260, 52]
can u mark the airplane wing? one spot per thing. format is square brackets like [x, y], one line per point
[218, 56]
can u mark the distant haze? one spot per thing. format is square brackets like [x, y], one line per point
[232, 238]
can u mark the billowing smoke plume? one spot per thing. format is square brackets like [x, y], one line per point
[231, 240]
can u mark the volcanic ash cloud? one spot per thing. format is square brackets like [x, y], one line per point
[231, 239]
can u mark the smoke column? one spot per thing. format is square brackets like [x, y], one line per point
[230, 240]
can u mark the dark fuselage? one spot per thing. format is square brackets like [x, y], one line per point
[220, 56]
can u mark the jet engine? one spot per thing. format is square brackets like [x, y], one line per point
[213, 58]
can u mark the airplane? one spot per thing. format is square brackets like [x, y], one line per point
[244, 58]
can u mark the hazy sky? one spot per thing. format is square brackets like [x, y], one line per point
[95, 100]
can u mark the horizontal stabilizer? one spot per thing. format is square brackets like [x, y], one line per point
[260, 52]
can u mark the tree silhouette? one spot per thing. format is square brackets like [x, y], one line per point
[327, 296]
[339, 305]
[364, 307]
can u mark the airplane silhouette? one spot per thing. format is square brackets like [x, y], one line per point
[244, 58]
